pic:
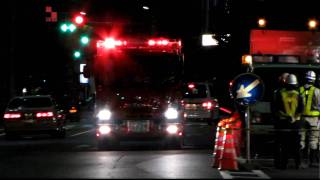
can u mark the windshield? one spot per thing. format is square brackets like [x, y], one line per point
[30, 103]
[199, 91]
[138, 70]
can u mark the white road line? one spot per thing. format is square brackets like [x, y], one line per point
[261, 174]
[70, 126]
[225, 175]
[77, 134]
[245, 175]
[2, 134]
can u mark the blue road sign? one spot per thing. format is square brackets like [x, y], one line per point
[247, 88]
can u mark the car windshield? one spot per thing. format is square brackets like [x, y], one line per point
[30, 103]
[199, 91]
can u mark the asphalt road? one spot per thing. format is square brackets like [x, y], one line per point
[77, 156]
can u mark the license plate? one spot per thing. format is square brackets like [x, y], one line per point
[29, 121]
[138, 126]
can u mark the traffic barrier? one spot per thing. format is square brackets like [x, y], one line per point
[218, 147]
[229, 156]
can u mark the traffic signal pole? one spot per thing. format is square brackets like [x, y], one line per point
[247, 120]
[12, 50]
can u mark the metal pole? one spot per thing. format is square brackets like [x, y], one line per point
[12, 50]
[247, 119]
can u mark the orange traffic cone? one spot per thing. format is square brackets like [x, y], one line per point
[218, 147]
[229, 157]
[235, 124]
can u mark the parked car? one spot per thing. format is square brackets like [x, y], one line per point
[35, 114]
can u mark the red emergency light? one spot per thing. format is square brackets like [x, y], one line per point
[111, 43]
[158, 42]
[152, 45]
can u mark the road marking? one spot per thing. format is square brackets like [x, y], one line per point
[254, 174]
[77, 134]
[70, 126]
[2, 134]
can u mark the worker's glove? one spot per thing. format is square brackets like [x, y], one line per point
[291, 119]
[302, 145]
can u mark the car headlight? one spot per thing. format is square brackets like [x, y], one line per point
[171, 113]
[104, 114]
[104, 129]
[172, 129]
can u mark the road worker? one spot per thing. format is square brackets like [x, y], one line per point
[287, 107]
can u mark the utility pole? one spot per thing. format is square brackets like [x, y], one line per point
[12, 49]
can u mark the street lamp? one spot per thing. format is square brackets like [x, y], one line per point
[262, 22]
[312, 24]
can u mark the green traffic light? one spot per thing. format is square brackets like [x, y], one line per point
[64, 27]
[84, 40]
[68, 27]
[72, 27]
[77, 54]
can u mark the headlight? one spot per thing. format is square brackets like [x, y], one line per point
[172, 129]
[104, 114]
[171, 113]
[104, 129]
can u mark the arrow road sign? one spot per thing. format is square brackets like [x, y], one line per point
[244, 92]
[247, 88]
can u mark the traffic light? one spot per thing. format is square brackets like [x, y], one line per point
[77, 54]
[84, 39]
[79, 19]
[67, 27]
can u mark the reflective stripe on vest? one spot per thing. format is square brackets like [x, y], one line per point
[290, 101]
[307, 96]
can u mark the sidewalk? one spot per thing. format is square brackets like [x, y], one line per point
[267, 166]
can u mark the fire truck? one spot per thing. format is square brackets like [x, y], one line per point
[138, 98]
[273, 52]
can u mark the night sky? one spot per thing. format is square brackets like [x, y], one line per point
[38, 51]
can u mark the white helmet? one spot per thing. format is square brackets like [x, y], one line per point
[310, 76]
[292, 80]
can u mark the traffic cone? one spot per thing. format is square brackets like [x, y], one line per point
[229, 157]
[235, 124]
[218, 147]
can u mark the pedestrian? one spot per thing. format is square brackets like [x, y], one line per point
[287, 107]
[310, 116]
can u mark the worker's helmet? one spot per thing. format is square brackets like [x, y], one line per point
[283, 78]
[311, 76]
[292, 80]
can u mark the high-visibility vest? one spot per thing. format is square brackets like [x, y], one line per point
[290, 102]
[308, 97]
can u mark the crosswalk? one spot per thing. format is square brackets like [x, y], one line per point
[253, 174]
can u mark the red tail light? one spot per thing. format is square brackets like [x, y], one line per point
[12, 115]
[44, 114]
[191, 86]
[207, 105]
